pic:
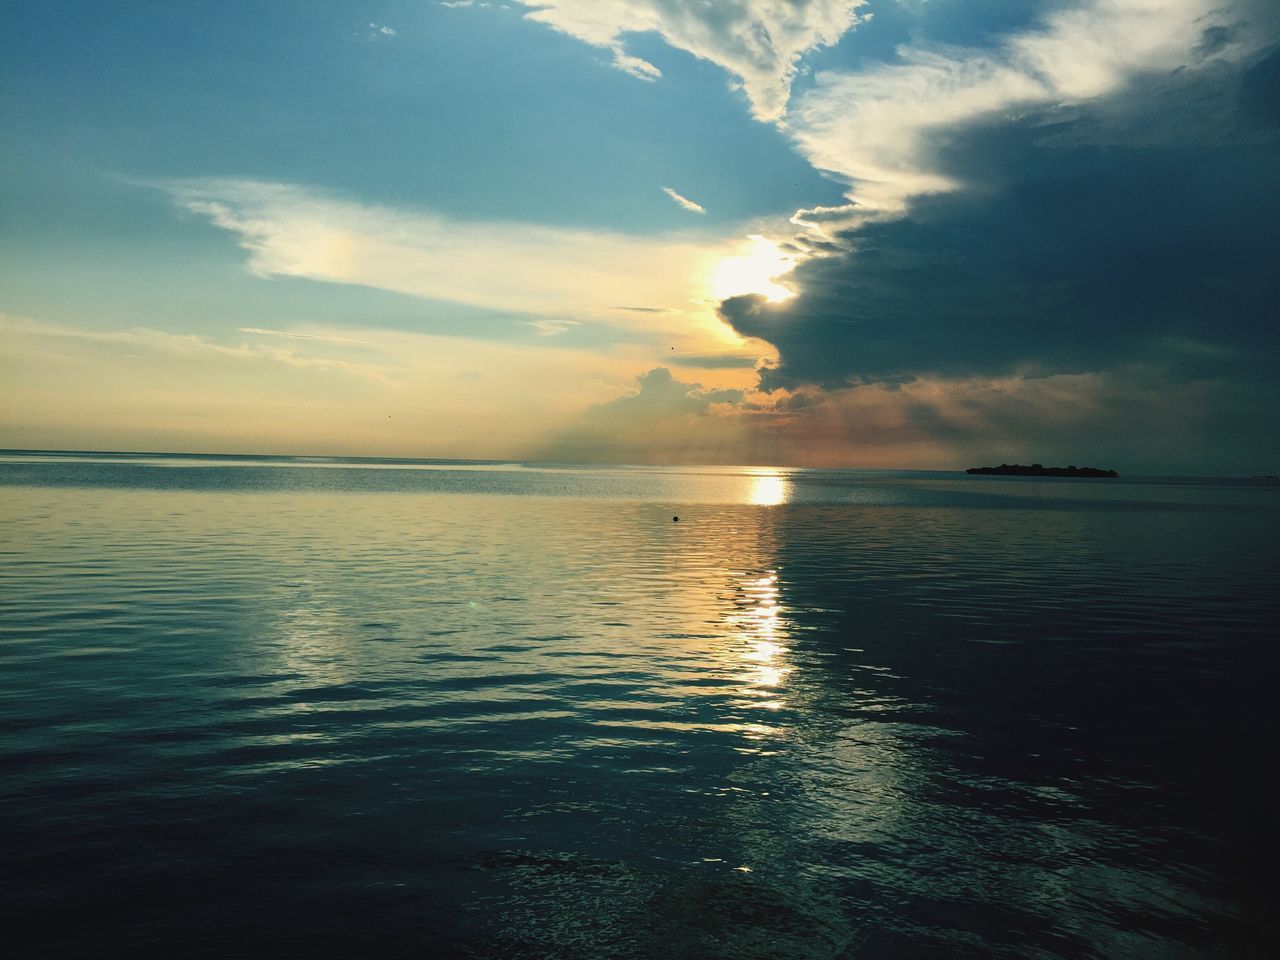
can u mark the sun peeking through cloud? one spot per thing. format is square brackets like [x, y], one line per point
[754, 269]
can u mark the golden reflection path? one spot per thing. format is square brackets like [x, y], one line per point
[769, 488]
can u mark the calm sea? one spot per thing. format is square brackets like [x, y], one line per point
[331, 708]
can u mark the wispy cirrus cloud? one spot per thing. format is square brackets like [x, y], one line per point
[195, 345]
[758, 42]
[683, 201]
[547, 327]
[309, 337]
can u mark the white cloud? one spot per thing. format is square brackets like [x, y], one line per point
[874, 127]
[759, 42]
[684, 201]
[378, 31]
[563, 273]
[547, 327]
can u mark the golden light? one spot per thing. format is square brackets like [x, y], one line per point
[755, 269]
[769, 490]
[763, 653]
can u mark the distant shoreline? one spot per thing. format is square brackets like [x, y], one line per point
[1037, 470]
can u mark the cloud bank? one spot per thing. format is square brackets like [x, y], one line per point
[665, 420]
[320, 389]
[934, 423]
[1099, 194]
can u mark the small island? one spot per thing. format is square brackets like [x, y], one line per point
[1037, 470]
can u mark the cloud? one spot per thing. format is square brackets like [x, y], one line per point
[293, 335]
[884, 129]
[720, 361]
[940, 423]
[194, 345]
[684, 201]
[365, 391]
[1134, 226]
[662, 395]
[552, 328]
[380, 31]
[665, 420]
[1130, 419]
[560, 273]
[759, 42]
[449, 397]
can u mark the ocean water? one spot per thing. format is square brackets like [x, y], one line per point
[332, 708]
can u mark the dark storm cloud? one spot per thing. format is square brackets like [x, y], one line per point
[1141, 229]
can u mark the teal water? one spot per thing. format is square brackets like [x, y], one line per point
[285, 707]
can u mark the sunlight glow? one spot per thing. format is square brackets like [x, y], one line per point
[754, 269]
[769, 489]
[763, 654]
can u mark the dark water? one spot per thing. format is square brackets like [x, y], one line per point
[288, 708]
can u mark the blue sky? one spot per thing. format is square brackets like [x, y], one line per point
[475, 113]
[420, 228]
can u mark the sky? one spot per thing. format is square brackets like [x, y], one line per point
[867, 233]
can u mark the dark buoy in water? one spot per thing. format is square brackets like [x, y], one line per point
[675, 519]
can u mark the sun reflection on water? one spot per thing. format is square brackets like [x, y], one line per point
[761, 650]
[769, 489]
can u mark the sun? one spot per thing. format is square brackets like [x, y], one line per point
[754, 269]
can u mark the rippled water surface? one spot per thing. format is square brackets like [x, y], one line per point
[324, 708]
